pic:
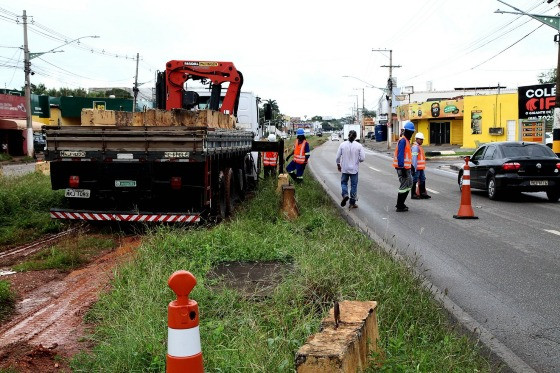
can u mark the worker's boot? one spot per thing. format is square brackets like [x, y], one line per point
[423, 193]
[413, 192]
[401, 207]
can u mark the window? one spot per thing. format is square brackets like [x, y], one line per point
[526, 150]
[478, 154]
[490, 153]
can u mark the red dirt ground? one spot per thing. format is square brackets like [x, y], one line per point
[47, 326]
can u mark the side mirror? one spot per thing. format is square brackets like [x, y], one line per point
[267, 112]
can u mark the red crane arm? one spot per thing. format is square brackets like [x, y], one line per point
[178, 72]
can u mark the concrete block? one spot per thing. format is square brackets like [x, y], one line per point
[344, 349]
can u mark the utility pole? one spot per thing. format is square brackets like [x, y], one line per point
[27, 70]
[363, 114]
[554, 22]
[135, 89]
[390, 95]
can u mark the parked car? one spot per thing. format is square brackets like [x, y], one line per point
[548, 139]
[334, 137]
[511, 167]
[39, 142]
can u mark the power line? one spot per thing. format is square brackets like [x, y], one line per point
[502, 51]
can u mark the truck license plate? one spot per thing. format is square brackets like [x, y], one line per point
[77, 193]
[125, 183]
[538, 182]
[72, 154]
[176, 154]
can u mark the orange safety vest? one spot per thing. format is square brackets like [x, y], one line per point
[421, 159]
[270, 159]
[299, 152]
[407, 155]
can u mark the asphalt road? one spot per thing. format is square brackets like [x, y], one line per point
[501, 270]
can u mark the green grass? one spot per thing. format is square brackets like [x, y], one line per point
[24, 208]
[5, 157]
[7, 299]
[68, 254]
[330, 261]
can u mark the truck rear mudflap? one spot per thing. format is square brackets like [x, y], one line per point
[136, 217]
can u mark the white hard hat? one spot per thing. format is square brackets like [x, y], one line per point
[272, 137]
[419, 135]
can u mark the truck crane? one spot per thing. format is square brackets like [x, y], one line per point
[162, 172]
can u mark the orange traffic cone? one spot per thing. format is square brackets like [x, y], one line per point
[184, 353]
[466, 210]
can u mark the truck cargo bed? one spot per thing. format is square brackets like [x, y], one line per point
[167, 142]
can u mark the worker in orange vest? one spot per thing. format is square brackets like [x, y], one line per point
[270, 159]
[418, 167]
[402, 162]
[301, 154]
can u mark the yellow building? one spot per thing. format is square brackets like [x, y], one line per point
[465, 121]
[441, 121]
[490, 118]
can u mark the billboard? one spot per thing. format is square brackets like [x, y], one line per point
[12, 107]
[431, 110]
[536, 101]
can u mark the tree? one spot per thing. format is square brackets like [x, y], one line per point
[118, 93]
[547, 77]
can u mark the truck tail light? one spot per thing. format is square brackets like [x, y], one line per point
[74, 181]
[511, 166]
[176, 183]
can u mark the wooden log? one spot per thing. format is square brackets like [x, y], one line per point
[156, 117]
[282, 180]
[289, 205]
[346, 348]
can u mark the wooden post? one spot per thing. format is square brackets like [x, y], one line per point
[289, 205]
[346, 348]
[282, 180]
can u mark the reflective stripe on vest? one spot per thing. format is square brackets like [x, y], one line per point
[299, 152]
[270, 158]
[421, 160]
[407, 155]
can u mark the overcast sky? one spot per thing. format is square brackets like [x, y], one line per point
[295, 52]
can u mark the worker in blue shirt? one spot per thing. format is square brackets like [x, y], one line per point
[301, 155]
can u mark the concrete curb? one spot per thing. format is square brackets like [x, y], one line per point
[473, 328]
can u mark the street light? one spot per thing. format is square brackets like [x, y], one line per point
[27, 70]
[363, 99]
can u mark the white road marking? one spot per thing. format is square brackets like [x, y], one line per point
[375, 169]
[552, 231]
[432, 191]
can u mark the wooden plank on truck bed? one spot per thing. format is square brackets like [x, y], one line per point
[158, 118]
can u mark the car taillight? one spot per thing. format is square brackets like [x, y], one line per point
[176, 183]
[558, 166]
[511, 166]
[74, 181]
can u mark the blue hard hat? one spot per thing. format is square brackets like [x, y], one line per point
[409, 126]
[300, 131]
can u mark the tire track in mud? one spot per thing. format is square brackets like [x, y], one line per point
[52, 314]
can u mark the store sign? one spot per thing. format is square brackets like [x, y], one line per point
[536, 101]
[431, 109]
[12, 107]
[40, 106]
